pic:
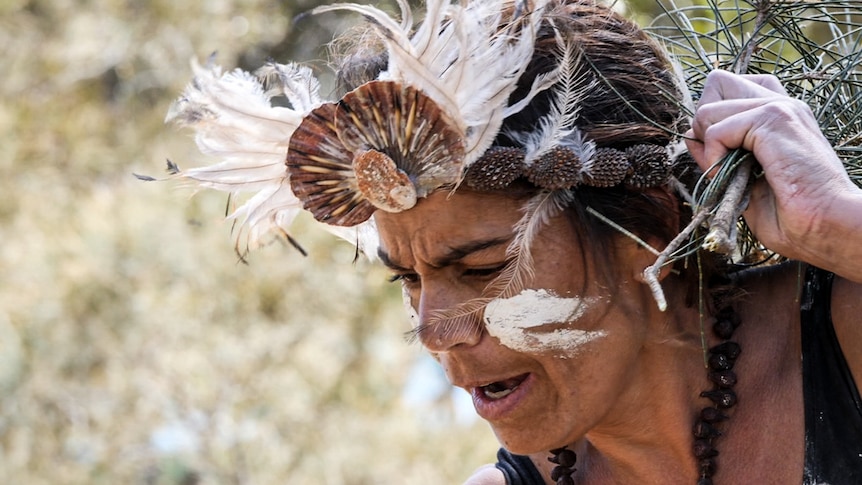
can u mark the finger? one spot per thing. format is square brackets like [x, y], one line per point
[696, 150]
[735, 131]
[721, 85]
[768, 81]
[711, 114]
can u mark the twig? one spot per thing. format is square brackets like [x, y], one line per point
[722, 227]
[623, 230]
[651, 272]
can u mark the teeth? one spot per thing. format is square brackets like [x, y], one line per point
[498, 394]
[498, 390]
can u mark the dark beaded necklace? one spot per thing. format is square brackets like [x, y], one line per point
[720, 361]
[565, 460]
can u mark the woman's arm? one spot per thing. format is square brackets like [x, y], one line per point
[805, 207]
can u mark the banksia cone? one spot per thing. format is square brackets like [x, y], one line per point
[559, 168]
[610, 166]
[650, 165]
[496, 169]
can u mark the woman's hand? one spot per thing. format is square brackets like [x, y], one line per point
[805, 207]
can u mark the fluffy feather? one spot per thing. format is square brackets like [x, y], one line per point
[235, 122]
[295, 82]
[363, 236]
[538, 211]
[557, 128]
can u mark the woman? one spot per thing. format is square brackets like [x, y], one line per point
[512, 163]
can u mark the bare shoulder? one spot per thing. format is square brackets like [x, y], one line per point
[770, 303]
[486, 475]
[847, 320]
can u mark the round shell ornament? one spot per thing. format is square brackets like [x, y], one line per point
[321, 171]
[401, 122]
[382, 182]
[382, 146]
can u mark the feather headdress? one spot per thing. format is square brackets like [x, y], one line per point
[234, 121]
[427, 122]
[435, 110]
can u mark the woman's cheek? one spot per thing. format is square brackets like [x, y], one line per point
[539, 321]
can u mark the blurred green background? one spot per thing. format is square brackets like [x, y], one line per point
[134, 347]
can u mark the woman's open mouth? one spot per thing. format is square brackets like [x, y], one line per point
[495, 400]
[501, 389]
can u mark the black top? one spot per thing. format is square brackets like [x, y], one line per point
[518, 469]
[833, 408]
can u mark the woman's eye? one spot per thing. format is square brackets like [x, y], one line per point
[484, 272]
[407, 278]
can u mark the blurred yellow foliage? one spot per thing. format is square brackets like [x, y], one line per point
[134, 347]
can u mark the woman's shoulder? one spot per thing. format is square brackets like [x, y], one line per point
[770, 290]
[847, 321]
[772, 298]
[486, 475]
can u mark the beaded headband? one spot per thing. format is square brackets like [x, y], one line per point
[428, 122]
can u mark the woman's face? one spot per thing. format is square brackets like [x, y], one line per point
[546, 365]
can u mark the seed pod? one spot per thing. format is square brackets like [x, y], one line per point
[707, 467]
[703, 449]
[712, 415]
[559, 168]
[567, 458]
[728, 313]
[565, 480]
[730, 349]
[702, 429]
[608, 168]
[718, 362]
[560, 471]
[723, 328]
[554, 453]
[650, 165]
[724, 379]
[723, 398]
[496, 169]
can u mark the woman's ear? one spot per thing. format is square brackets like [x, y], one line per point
[637, 257]
[643, 253]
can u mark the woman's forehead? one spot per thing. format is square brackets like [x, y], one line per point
[445, 224]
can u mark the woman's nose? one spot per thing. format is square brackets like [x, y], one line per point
[445, 324]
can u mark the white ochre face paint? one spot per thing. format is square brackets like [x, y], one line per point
[408, 305]
[517, 322]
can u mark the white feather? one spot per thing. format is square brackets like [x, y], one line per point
[270, 211]
[235, 122]
[538, 212]
[364, 236]
[583, 148]
[295, 82]
[557, 128]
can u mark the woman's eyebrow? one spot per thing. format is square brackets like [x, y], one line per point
[453, 254]
[387, 261]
